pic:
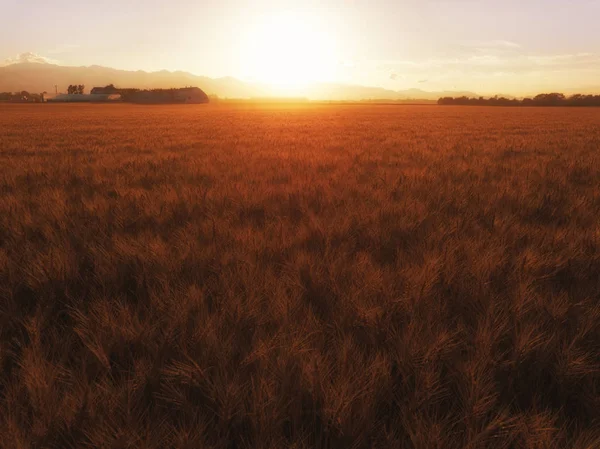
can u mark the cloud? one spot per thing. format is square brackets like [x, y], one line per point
[393, 76]
[494, 62]
[570, 59]
[483, 72]
[28, 57]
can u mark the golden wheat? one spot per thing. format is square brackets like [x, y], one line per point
[299, 276]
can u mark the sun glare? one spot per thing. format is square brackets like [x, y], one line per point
[289, 50]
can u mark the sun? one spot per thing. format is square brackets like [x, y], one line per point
[289, 50]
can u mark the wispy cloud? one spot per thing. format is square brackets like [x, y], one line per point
[510, 71]
[494, 44]
[570, 59]
[486, 62]
[28, 57]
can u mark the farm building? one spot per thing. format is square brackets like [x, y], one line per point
[107, 90]
[192, 95]
[82, 98]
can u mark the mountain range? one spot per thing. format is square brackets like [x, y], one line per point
[38, 77]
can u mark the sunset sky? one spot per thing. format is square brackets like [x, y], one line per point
[510, 46]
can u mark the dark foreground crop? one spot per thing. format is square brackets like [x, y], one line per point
[309, 277]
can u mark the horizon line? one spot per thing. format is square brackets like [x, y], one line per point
[593, 90]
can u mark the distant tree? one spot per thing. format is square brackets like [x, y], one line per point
[551, 99]
[75, 89]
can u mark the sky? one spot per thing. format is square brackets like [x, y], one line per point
[513, 47]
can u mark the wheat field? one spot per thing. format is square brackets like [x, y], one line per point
[299, 276]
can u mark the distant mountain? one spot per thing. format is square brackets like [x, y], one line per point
[36, 77]
[42, 77]
[342, 92]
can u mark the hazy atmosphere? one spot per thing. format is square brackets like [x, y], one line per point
[511, 47]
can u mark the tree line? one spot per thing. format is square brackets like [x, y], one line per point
[22, 97]
[27, 97]
[552, 99]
